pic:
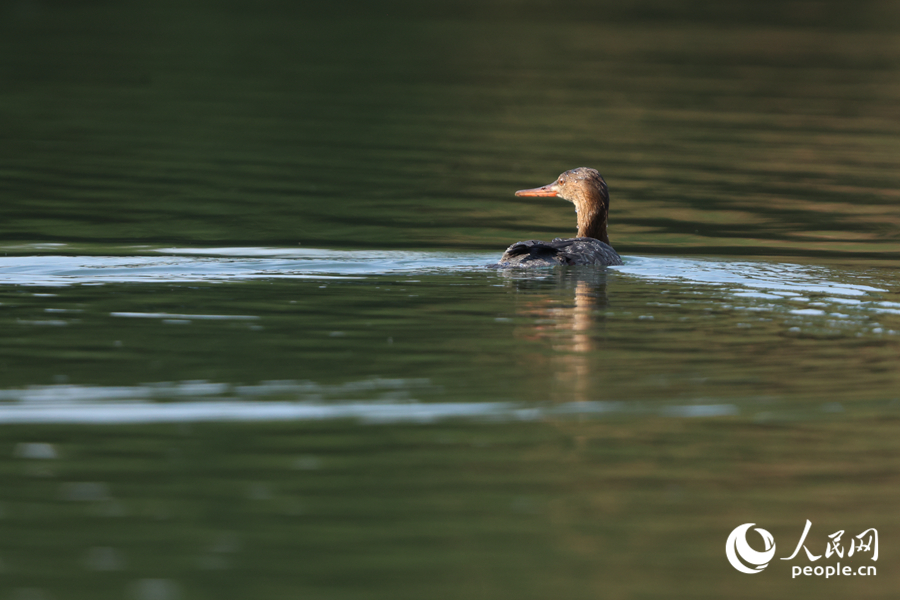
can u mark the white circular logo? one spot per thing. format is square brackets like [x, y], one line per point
[737, 546]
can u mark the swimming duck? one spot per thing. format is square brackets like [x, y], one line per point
[586, 189]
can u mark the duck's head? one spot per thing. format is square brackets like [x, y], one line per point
[586, 189]
[582, 187]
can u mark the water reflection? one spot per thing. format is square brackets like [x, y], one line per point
[577, 369]
[370, 413]
[375, 388]
[225, 264]
[781, 278]
[203, 401]
[400, 327]
[561, 309]
[809, 298]
[584, 330]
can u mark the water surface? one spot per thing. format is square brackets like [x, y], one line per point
[250, 345]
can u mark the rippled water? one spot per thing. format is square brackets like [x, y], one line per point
[573, 308]
[250, 344]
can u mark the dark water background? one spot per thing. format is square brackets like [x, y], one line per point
[249, 348]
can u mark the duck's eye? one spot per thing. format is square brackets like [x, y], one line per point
[562, 181]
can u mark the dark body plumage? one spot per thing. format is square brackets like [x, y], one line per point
[586, 189]
[571, 251]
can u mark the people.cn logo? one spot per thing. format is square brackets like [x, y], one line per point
[740, 554]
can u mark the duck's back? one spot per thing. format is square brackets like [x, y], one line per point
[569, 251]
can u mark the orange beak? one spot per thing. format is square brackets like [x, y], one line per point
[546, 190]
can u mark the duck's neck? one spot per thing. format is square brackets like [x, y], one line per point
[592, 222]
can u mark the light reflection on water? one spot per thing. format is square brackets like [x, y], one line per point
[823, 291]
[818, 297]
[63, 394]
[565, 311]
[225, 264]
[779, 279]
[95, 413]
[79, 404]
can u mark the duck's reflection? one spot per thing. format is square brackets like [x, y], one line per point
[562, 306]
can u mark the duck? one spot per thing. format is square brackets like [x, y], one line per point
[586, 189]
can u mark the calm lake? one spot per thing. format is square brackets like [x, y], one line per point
[250, 346]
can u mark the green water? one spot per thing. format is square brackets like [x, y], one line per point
[249, 346]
